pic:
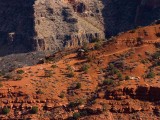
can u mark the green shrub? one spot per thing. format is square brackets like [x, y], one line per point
[120, 77]
[54, 66]
[85, 67]
[61, 95]
[48, 73]
[72, 104]
[156, 55]
[78, 85]
[111, 66]
[20, 71]
[70, 74]
[127, 77]
[40, 92]
[108, 82]
[34, 110]
[151, 75]
[69, 68]
[76, 115]
[5, 110]
[114, 71]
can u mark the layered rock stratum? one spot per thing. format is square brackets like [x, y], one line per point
[31, 25]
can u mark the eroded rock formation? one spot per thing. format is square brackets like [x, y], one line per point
[31, 25]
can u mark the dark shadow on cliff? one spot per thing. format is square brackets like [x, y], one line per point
[16, 26]
[123, 15]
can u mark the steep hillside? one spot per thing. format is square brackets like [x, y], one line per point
[114, 80]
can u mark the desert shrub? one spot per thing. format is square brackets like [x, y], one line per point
[78, 85]
[111, 66]
[54, 66]
[156, 55]
[75, 103]
[70, 74]
[34, 110]
[120, 77]
[48, 73]
[85, 67]
[151, 75]
[5, 110]
[76, 115]
[144, 61]
[157, 63]
[108, 82]
[114, 71]
[61, 95]
[40, 92]
[69, 68]
[20, 71]
[127, 77]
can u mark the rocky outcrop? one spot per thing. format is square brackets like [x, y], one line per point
[150, 93]
[39, 25]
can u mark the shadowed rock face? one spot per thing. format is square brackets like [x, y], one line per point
[38, 25]
[123, 15]
[16, 26]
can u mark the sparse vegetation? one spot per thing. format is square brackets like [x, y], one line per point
[61, 95]
[40, 92]
[76, 115]
[34, 110]
[70, 74]
[85, 67]
[108, 82]
[127, 77]
[54, 66]
[78, 85]
[120, 76]
[20, 71]
[48, 73]
[150, 75]
[5, 110]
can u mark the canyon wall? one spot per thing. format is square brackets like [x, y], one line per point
[31, 25]
[16, 26]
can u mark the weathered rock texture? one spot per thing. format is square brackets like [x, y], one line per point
[29, 25]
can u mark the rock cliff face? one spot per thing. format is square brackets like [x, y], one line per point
[16, 26]
[30, 25]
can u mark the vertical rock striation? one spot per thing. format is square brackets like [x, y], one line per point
[39, 25]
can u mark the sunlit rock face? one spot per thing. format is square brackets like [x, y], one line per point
[38, 25]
